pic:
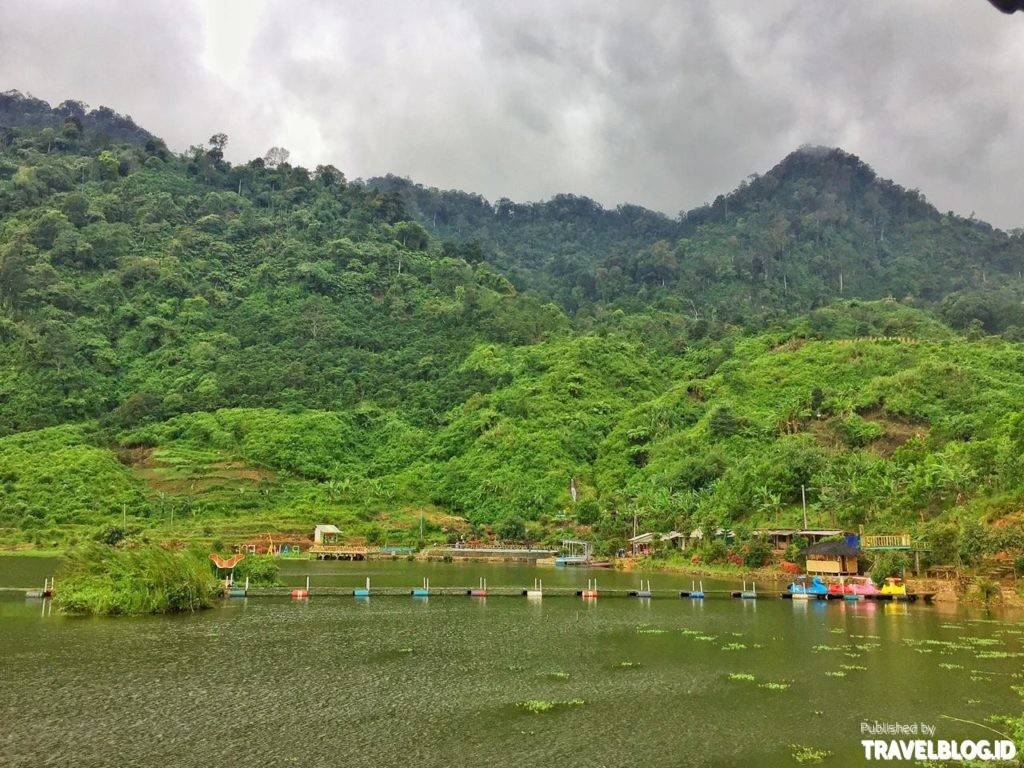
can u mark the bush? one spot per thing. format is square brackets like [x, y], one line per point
[112, 535]
[102, 580]
[986, 589]
[888, 564]
[857, 432]
[511, 529]
[714, 552]
[587, 512]
[757, 553]
[261, 570]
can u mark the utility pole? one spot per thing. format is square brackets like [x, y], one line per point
[803, 501]
[421, 527]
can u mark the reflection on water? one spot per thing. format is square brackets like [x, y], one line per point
[434, 682]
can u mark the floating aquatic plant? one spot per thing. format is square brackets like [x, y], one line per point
[741, 676]
[853, 667]
[627, 664]
[774, 686]
[705, 638]
[837, 631]
[808, 755]
[544, 705]
[837, 673]
[404, 650]
[734, 647]
[998, 655]
[558, 675]
[649, 631]
[947, 665]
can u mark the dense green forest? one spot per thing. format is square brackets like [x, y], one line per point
[202, 349]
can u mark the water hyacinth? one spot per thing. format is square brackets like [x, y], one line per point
[537, 706]
[808, 755]
[643, 629]
[742, 676]
[774, 686]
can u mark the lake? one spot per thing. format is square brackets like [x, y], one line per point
[436, 681]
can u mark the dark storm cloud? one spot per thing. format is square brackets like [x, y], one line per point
[660, 103]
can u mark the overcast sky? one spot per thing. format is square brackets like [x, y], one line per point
[665, 104]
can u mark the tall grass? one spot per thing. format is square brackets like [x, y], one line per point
[103, 580]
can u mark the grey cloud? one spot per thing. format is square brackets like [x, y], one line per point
[665, 104]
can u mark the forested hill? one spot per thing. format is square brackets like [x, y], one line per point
[262, 347]
[819, 226]
[68, 120]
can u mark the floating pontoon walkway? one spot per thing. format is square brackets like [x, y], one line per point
[434, 591]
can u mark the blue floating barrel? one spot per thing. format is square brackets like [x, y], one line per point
[697, 595]
[421, 592]
[362, 592]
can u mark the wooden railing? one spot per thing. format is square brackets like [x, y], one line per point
[889, 542]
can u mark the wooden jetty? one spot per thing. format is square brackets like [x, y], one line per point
[493, 554]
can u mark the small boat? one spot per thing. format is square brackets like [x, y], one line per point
[861, 586]
[804, 588]
[894, 587]
[565, 561]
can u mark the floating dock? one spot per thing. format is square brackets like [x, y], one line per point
[536, 591]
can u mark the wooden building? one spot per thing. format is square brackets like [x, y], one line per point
[832, 558]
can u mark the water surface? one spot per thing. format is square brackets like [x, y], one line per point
[435, 682]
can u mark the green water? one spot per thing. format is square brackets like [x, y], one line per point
[435, 682]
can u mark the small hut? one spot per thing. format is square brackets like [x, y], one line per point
[832, 558]
[326, 534]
